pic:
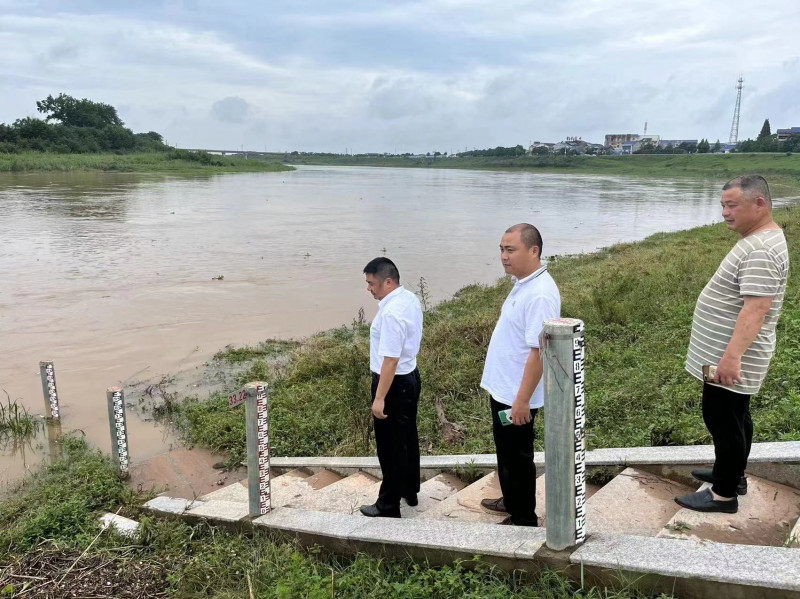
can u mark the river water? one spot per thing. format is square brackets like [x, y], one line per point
[112, 276]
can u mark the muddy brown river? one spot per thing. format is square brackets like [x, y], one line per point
[120, 278]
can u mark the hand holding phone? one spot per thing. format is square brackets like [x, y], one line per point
[505, 417]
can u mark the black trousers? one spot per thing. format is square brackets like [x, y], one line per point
[515, 466]
[397, 439]
[727, 417]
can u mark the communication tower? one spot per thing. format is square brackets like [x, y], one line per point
[735, 124]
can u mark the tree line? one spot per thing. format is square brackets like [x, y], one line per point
[500, 151]
[768, 142]
[73, 126]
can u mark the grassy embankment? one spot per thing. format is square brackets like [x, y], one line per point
[175, 161]
[50, 547]
[782, 170]
[637, 300]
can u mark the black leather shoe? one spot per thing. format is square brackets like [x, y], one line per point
[412, 500]
[373, 511]
[508, 521]
[706, 475]
[494, 505]
[703, 501]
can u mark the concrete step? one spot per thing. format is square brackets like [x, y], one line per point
[765, 517]
[634, 503]
[432, 493]
[793, 539]
[181, 472]
[283, 494]
[238, 491]
[283, 489]
[541, 501]
[465, 505]
[339, 496]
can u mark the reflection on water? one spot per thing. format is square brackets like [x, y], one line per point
[110, 275]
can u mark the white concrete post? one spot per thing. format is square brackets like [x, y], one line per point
[119, 429]
[257, 423]
[53, 435]
[48, 374]
[563, 346]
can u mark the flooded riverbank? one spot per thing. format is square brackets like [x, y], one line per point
[121, 279]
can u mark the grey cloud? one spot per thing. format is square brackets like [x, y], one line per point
[419, 75]
[230, 110]
[401, 98]
[62, 51]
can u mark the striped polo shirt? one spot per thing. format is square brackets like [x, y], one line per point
[758, 265]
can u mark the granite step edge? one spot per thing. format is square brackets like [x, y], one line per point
[773, 451]
[776, 568]
[759, 567]
[467, 538]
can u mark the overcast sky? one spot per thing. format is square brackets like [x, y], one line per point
[407, 76]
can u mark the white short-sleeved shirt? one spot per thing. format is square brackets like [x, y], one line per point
[532, 300]
[396, 331]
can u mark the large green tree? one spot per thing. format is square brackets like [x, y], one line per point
[79, 113]
[766, 131]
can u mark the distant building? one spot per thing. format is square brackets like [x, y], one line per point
[676, 142]
[629, 147]
[576, 145]
[540, 144]
[615, 140]
[784, 134]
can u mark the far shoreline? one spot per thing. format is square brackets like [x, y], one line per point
[175, 162]
[782, 170]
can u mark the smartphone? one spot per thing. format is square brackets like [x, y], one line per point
[505, 417]
[709, 372]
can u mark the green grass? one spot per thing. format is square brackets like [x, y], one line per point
[49, 526]
[58, 502]
[16, 423]
[637, 300]
[158, 162]
[781, 170]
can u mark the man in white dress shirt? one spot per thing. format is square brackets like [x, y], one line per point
[513, 371]
[394, 340]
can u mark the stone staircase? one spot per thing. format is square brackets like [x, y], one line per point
[634, 502]
[628, 518]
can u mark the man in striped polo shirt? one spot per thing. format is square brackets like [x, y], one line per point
[733, 329]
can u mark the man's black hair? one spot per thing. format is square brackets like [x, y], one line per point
[752, 187]
[529, 234]
[382, 269]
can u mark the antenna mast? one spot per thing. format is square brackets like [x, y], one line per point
[735, 124]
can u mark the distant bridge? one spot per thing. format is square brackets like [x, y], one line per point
[244, 153]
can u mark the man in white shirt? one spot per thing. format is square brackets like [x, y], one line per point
[513, 371]
[394, 339]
